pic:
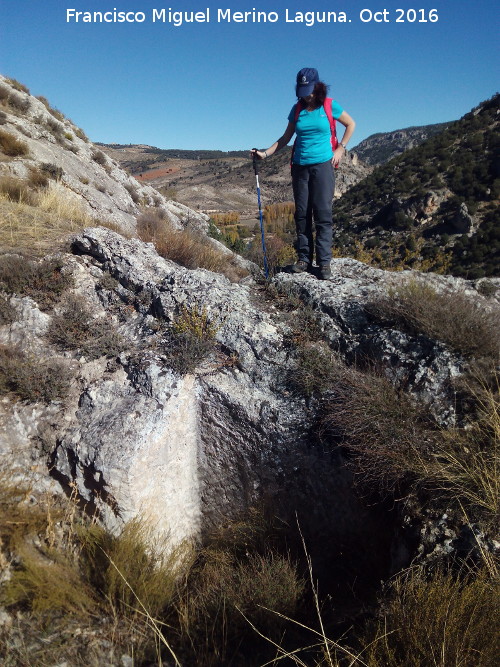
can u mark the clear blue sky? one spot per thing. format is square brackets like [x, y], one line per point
[230, 85]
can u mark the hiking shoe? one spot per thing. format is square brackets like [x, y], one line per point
[299, 267]
[324, 272]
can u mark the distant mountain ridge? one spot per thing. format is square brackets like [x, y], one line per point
[383, 146]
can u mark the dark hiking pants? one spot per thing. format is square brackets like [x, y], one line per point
[313, 186]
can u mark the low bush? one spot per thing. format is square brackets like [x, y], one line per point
[224, 593]
[4, 94]
[133, 193]
[81, 135]
[3, 118]
[7, 312]
[389, 435]
[43, 281]
[11, 146]
[451, 317]
[38, 178]
[13, 100]
[52, 170]
[314, 371]
[76, 329]
[32, 379]
[55, 127]
[99, 157]
[190, 339]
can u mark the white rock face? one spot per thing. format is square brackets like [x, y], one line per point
[135, 438]
[106, 191]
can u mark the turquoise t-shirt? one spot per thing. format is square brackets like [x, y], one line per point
[313, 143]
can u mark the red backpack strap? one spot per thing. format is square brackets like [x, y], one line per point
[327, 105]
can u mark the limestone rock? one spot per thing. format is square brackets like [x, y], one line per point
[134, 437]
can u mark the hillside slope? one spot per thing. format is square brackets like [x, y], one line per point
[434, 207]
[41, 149]
[383, 146]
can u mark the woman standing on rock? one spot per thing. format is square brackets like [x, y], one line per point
[314, 156]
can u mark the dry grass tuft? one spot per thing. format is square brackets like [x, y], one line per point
[389, 434]
[185, 247]
[16, 190]
[65, 204]
[394, 442]
[454, 318]
[11, 146]
[27, 229]
[466, 461]
[133, 571]
[441, 620]
[18, 86]
[47, 581]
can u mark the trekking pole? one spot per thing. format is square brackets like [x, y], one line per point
[256, 170]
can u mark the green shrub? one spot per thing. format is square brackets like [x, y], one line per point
[11, 146]
[76, 329]
[190, 339]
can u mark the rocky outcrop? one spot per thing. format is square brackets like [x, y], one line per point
[133, 436]
[382, 147]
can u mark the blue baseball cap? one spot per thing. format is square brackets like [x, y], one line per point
[307, 78]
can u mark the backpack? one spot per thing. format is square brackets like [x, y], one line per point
[327, 106]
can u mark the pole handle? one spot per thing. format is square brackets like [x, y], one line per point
[256, 165]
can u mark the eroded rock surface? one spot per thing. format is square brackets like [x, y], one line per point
[134, 437]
